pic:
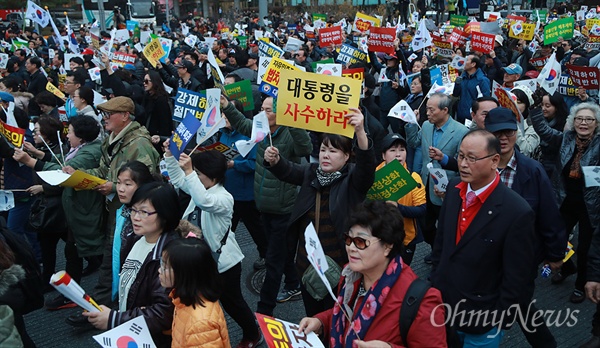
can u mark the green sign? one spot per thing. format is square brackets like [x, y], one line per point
[243, 41]
[241, 91]
[392, 182]
[542, 13]
[560, 28]
[313, 65]
[459, 21]
[317, 16]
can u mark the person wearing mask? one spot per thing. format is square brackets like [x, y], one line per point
[469, 86]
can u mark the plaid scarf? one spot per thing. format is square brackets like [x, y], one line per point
[582, 145]
[374, 298]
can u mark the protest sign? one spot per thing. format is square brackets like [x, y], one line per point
[356, 73]
[515, 18]
[505, 100]
[449, 74]
[330, 36]
[560, 28]
[293, 44]
[123, 58]
[241, 91]
[317, 102]
[153, 52]
[457, 37]
[526, 31]
[54, 90]
[443, 48]
[132, 333]
[539, 62]
[319, 16]
[584, 76]
[270, 80]
[382, 40]
[329, 69]
[363, 22]
[134, 29]
[184, 132]
[490, 28]
[593, 43]
[78, 180]
[472, 27]
[349, 55]
[122, 35]
[459, 21]
[280, 333]
[229, 152]
[392, 182]
[539, 15]
[438, 176]
[483, 42]
[3, 60]
[14, 135]
[260, 130]
[292, 29]
[215, 71]
[166, 45]
[268, 50]
[189, 102]
[591, 175]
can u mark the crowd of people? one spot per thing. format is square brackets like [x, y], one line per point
[161, 230]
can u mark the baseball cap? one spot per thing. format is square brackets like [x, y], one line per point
[185, 64]
[499, 39]
[204, 50]
[118, 104]
[88, 51]
[527, 92]
[6, 97]
[390, 140]
[500, 119]
[513, 69]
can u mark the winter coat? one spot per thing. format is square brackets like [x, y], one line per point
[467, 92]
[529, 141]
[388, 96]
[386, 324]
[37, 84]
[550, 149]
[9, 333]
[239, 180]
[83, 209]
[22, 100]
[203, 326]
[146, 296]
[157, 116]
[272, 195]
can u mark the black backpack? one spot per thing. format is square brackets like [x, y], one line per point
[410, 306]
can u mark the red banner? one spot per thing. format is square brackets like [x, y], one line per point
[516, 18]
[472, 27]
[539, 63]
[382, 40]
[356, 73]
[482, 42]
[584, 76]
[14, 135]
[280, 333]
[123, 58]
[457, 37]
[330, 36]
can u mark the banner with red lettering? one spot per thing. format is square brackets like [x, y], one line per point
[443, 48]
[330, 36]
[482, 42]
[516, 18]
[382, 40]
[539, 63]
[279, 333]
[584, 76]
[472, 27]
[457, 37]
[121, 58]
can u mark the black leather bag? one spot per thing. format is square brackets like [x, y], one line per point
[47, 215]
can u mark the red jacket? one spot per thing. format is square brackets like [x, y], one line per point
[386, 324]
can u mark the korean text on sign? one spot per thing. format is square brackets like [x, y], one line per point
[270, 80]
[279, 333]
[560, 28]
[317, 102]
[382, 40]
[14, 135]
[189, 102]
[483, 42]
[583, 76]
[350, 55]
[153, 51]
[268, 50]
[330, 36]
[392, 182]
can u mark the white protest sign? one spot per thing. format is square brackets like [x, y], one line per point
[7, 200]
[316, 256]
[591, 175]
[51, 53]
[133, 333]
[258, 34]
[3, 60]
[439, 177]
[99, 98]
[293, 45]
[145, 36]
[531, 84]
[121, 35]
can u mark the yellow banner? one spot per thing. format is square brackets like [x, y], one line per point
[317, 102]
[270, 80]
[153, 52]
[54, 90]
[82, 181]
[526, 34]
[591, 21]
[363, 22]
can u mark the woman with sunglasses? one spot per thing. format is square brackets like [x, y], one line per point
[373, 286]
[328, 191]
[157, 112]
[155, 213]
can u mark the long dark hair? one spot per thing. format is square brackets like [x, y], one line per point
[158, 89]
[195, 271]
[562, 111]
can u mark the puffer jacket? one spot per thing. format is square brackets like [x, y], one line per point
[199, 327]
[591, 157]
[272, 195]
[146, 296]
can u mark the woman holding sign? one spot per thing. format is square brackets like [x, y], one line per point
[373, 287]
[328, 191]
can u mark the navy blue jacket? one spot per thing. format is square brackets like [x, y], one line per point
[467, 92]
[239, 180]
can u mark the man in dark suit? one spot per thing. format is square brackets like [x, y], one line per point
[483, 257]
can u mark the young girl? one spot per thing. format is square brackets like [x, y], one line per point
[188, 267]
[413, 205]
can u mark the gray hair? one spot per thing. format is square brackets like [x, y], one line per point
[444, 100]
[594, 108]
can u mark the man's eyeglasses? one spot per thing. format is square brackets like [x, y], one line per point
[359, 243]
[471, 159]
[141, 213]
[107, 114]
[508, 133]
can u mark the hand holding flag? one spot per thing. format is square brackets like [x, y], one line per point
[548, 78]
[260, 130]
